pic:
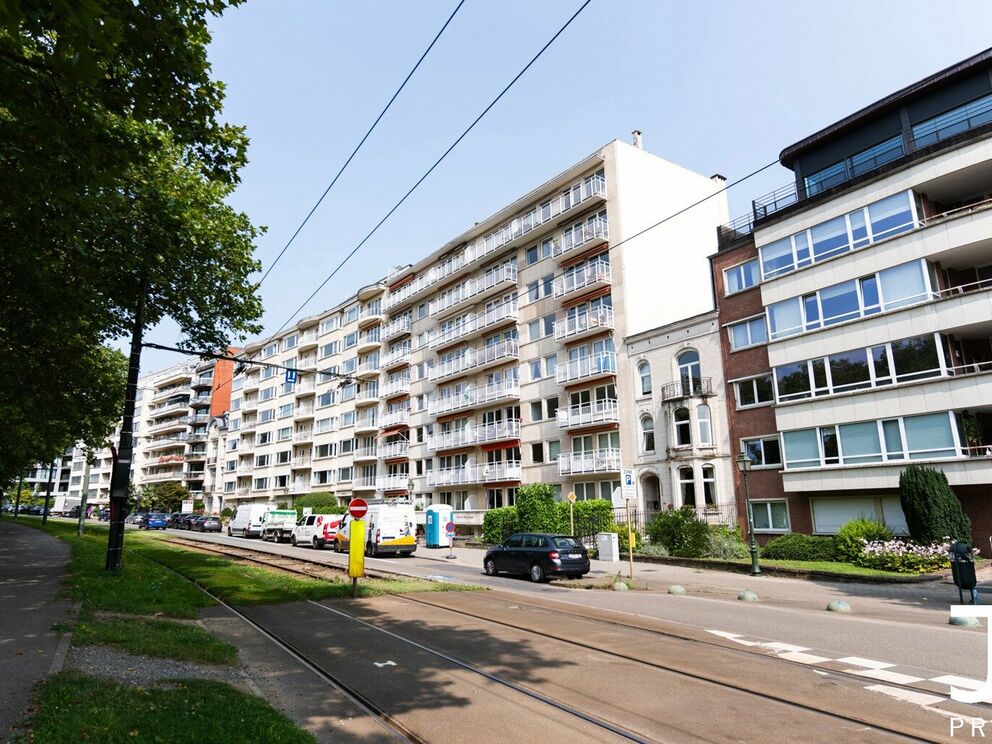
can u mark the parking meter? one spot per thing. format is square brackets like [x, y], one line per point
[963, 571]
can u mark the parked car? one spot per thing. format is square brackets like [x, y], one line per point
[316, 530]
[390, 528]
[247, 520]
[172, 520]
[538, 555]
[103, 515]
[186, 521]
[153, 521]
[207, 524]
[137, 519]
[278, 524]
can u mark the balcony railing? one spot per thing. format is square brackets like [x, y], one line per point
[301, 484]
[399, 417]
[167, 424]
[396, 327]
[686, 388]
[472, 288]
[393, 482]
[471, 397]
[475, 358]
[303, 436]
[583, 276]
[474, 434]
[169, 392]
[369, 421]
[473, 324]
[605, 411]
[308, 361]
[174, 475]
[307, 338]
[301, 462]
[367, 453]
[396, 356]
[490, 472]
[304, 411]
[587, 367]
[394, 387]
[594, 461]
[200, 418]
[581, 235]
[390, 450]
[368, 393]
[204, 381]
[437, 273]
[178, 405]
[593, 321]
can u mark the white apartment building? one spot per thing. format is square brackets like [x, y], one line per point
[490, 363]
[683, 454]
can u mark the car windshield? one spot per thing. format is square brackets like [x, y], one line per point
[566, 542]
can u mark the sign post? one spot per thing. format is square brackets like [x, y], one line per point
[630, 541]
[450, 529]
[357, 509]
[571, 512]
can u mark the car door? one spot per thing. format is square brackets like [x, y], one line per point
[308, 529]
[514, 558]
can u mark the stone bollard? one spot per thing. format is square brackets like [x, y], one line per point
[747, 596]
[838, 605]
[676, 589]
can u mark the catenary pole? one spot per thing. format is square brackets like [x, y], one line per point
[48, 492]
[85, 492]
[17, 498]
[121, 473]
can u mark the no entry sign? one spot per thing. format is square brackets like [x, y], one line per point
[358, 508]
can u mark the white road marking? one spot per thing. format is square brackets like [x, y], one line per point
[908, 696]
[886, 676]
[954, 681]
[803, 658]
[382, 664]
[735, 637]
[867, 663]
[776, 646]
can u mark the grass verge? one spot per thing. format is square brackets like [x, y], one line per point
[161, 638]
[72, 708]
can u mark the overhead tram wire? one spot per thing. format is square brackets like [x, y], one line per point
[361, 142]
[437, 162]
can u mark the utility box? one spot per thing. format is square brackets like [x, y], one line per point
[438, 516]
[608, 545]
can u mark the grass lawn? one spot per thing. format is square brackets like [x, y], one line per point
[162, 638]
[847, 569]
[74, 708]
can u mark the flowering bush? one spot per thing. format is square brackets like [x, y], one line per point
[904, 556]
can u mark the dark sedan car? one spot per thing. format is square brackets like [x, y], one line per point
[540, 556]
[173, 519]
[185, 521]
[207, 524]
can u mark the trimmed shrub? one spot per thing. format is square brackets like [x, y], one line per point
[933, 512]
[904, 557]
[651, 549]
[227, 512]
[799, 547]
[499, 524]
[592, 516]
[726, 543]
[623, 538]
[198, 505]
[681, 532]
[537, 510]
[320, 502]
[852, 537]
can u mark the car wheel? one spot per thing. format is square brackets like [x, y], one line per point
[317, 544]
[229, 532]
[292, 540]
[536, 573]
[490, 567]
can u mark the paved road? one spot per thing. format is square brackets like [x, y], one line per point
[899, 628]
[32, 564]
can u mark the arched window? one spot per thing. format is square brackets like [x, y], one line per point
[709, 485]
[683, 427]
[687, 486]
[644, 373]
[705, 429]
[647, 433]
[689, 372]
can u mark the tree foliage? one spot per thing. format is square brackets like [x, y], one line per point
[681, 532]
[163, 497]
[932, 511]
[536, 510]
[117, 173]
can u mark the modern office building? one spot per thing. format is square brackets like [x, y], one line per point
[493, 361]
[857, 312]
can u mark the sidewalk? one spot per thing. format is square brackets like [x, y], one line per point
[32, 564]
[926, 601]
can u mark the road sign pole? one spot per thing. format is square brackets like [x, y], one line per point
[571, 518]
[356, 553]
[450, 529]
[630, 542]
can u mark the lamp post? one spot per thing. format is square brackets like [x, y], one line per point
[744, 465]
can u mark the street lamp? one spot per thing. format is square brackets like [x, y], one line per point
[744, 465]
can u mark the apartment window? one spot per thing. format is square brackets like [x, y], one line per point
[709, 485]
[535, 410]
[350, 365]
[323, 477]
[260, 484]
[330, 349]
[267, 415]
[325, 399]
[323, 450]
[535, 370]
[532, 256]
[647, 434]
[345, 474]
[754, 392]
[683, 427]
[351, 314]
[554, 450]
[269, 372]
[282, 458]
[235, 404]
[270, 350]
[285, 410]
[264, 437]
[552, 407]
[770, 516]
[687, 486]
[267, 393]
[329, 324]
[644, 375]
[290, 342]
[230, 466]
[532, 291]
[285, 433]
[348, 392]
[347, 419]
[281, 481]
[741, 277]
[323, 424]
[549, 324]
[537, 452]
[351, 340]
[547, 285]
[763, 451]
[534, 330]
[550, 365]
[747, 333]
[704, 424]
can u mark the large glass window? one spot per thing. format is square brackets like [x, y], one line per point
[915, 358]
[709, 485]
[644, 375]
[647, 432]
[770, 516]
[754, 392]
[903, 285]
[801, 448]
[839, 303]
[849, 371]
[689, 372]
[687, 486]
[741, 277]
[785, 318]
[705, 426]
[890, 216]
[830, 238]
[747, 333]
[825, 178]
[959, 119]
[929, 436]
[683, 427]
[860, 443]
[763, 451]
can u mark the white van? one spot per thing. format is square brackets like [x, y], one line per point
[247, 520]
[389, 528]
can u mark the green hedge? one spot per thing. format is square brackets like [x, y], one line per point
[537, 510]
[681, 532]
[499, 524]
[320, 503]
[592, 516]
[851, 538]
[798, 547]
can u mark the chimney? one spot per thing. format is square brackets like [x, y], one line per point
[719, 178]
[638, 143]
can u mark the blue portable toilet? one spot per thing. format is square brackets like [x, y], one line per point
[438, 516]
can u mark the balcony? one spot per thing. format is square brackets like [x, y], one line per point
[367, 423]
[585, 324]
[475, 289]
[364, 483]
[589, 367]
[369, 340]
[200, 401]
[307, 340]
[179, 405]
[306, 435]
[399, 417]
[168, 425]
[476, 396]
[197, 436]
[204, 381]
[474, 325]
[248, 425]
[394, 450]
[301, 463]
[369, 368]
[245, 447]
[593, 461]
[171, 475]
[585, 277]
[393, 482]
[396, 357]
[475, 359]
[162, 443]
[304, 388]
[196, 455]
[251, 383]
[304, 412]
[368, 394]
[605, 411]
[687, 388]
[301, 485]
[170, 392]
[475, 434]
[468, 474]
[587, 235]
[249, 404]
[306, 362]
[396, 387]
[395, 328]
[365, 453]
[200, 418]
[437, 273]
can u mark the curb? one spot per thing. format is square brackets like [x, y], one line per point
[62, 650]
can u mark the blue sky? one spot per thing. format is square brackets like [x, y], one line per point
[719, 87]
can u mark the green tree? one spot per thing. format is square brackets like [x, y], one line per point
[932, 510]
[117, 173]
[165, 497]
[536, 510]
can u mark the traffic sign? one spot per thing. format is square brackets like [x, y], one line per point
[290, 376]
[358, 508]
[571, 497]
[450, 529]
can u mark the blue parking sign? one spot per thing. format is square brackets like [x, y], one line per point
[290, 376]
